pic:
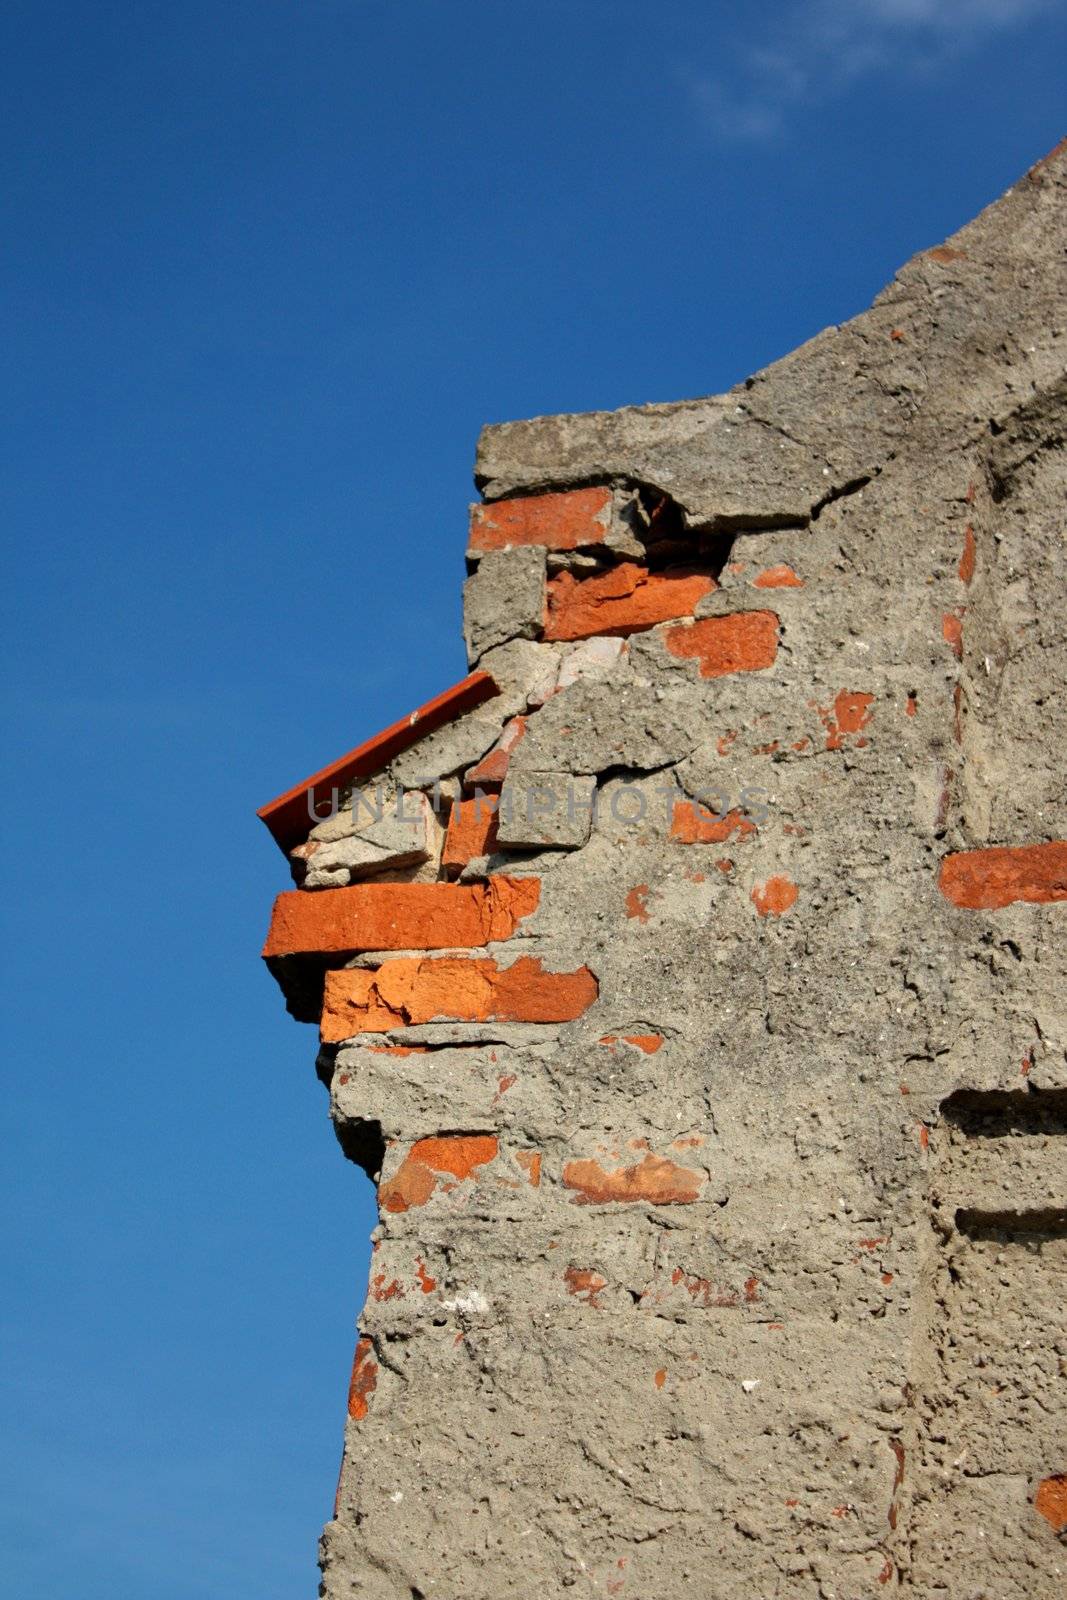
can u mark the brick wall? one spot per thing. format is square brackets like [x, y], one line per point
[650, 972]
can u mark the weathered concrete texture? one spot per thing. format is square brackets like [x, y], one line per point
[717, 1108]
[964, 333]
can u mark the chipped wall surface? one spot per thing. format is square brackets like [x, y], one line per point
[701, 1016]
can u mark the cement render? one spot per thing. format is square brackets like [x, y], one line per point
[822, 1354]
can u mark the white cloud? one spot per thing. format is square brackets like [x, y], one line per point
[822, 47]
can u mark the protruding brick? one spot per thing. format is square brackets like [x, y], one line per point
[988, 880]
[559, 521]
[410, 991]
[399, 916]
[626, 599]
[745, 641]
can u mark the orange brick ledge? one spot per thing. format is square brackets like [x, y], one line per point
[409, 991]
[398, 916]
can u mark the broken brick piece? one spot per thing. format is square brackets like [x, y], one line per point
[626, 599]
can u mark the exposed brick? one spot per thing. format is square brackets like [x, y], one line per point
[492, 769]
[746, 641]
[558, 521]
[399, 916]
[431, 1163]
[411, 990]
[969, 556]
[530, 1162]
[945, 253]
[364, 1380]
[988, 880]
[288, 817]
[952, 632]
[774, 896]
[627, 599]
[1050, 1501]
[472, 825]
[585, 1284]
[692, 824]
[648, 1043]
[780, 577]
[637, 902]
[848, 716]
[654, 1181]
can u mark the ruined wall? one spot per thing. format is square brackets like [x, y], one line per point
[713, 1070]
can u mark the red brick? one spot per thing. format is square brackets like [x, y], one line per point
[849, 714]
[691, 824]
[585, 1284]
[780, 577]
[627, 599]
[652, 1181]
[492, 769]
[1050, 1501]
[430, 1163]
[648, 1043]
[952, 632]
[364, 1380]
[399, 916]
[637, 902]
[775, 896]
[988, 880]
[559, 521]
[746, 641]
[969, 556]
[472, 825]
[530, 1162]
[411, 990]
[290, 817]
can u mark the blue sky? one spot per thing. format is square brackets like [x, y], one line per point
[266, 270]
